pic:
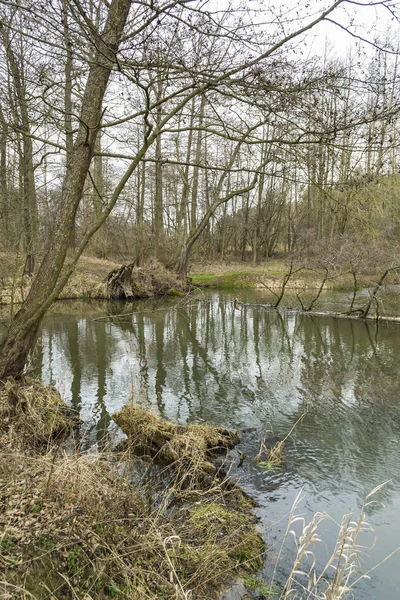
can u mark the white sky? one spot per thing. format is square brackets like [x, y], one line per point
[367, 19]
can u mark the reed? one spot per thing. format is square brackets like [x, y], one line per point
[272, 458]
[341, 572]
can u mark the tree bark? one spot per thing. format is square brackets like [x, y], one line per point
[4, 200]
[158, 195]
[68, 105]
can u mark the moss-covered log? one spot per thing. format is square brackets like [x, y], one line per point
[169, 442]
[74, 527]
[188, 448]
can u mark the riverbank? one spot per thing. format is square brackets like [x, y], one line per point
[298, 288]
[241, 275]
[75, 526]
[90, 278]
[93, 279]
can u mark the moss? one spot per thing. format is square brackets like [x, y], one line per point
[257, 585]
[242, 543]
[94, 535]
[215, 518]
[188, 447]
[227, 281]
[250, 550]
[7, 545]
[74, 527]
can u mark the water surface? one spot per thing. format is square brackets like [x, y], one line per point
[257, 371]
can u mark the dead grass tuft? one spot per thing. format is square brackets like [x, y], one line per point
[273, 458]
[73, 527]
[31, 414]
[84, 285]
[188, 448]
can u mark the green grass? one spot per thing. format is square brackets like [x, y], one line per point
[257, 585]
[247, 278]
[227, 281]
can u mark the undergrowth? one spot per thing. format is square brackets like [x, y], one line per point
[91, 526]
[31, 415]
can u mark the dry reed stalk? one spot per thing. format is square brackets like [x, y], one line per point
[274, 455]
[338, 576]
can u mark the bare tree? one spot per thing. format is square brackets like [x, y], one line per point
[245, 71]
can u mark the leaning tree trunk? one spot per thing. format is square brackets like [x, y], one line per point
[22, 332]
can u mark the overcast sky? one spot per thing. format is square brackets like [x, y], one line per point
[368, 19]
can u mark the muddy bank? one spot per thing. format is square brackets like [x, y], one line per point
[100, 280]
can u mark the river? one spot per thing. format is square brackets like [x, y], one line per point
[257, 371]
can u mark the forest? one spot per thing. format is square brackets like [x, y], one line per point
[208, 141]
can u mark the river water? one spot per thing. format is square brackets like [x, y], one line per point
[257, 371]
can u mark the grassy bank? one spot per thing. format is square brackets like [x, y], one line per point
[270, 275]
[94, 278]
[91, 279]
[75, 526]
[88, 280]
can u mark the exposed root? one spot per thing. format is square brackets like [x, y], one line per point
[131, 282]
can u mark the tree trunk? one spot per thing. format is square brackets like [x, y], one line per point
[158, 195]
[4, 200]
[22, 332]
[68, 106]
[195, 186]
[29, 199]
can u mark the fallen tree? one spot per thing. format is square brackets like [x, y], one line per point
[130, 282]
[188, 448]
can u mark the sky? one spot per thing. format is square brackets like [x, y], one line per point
[368, 19]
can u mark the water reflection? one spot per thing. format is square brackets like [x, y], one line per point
[258, 371]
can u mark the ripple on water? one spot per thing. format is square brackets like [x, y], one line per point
[258, 371]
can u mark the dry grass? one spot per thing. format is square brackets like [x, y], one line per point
[93, 278]
[31, 415]
[270, 458]
[153, 279]
[273, 458]
[75, 526]
[88, 280]
[187, 447]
